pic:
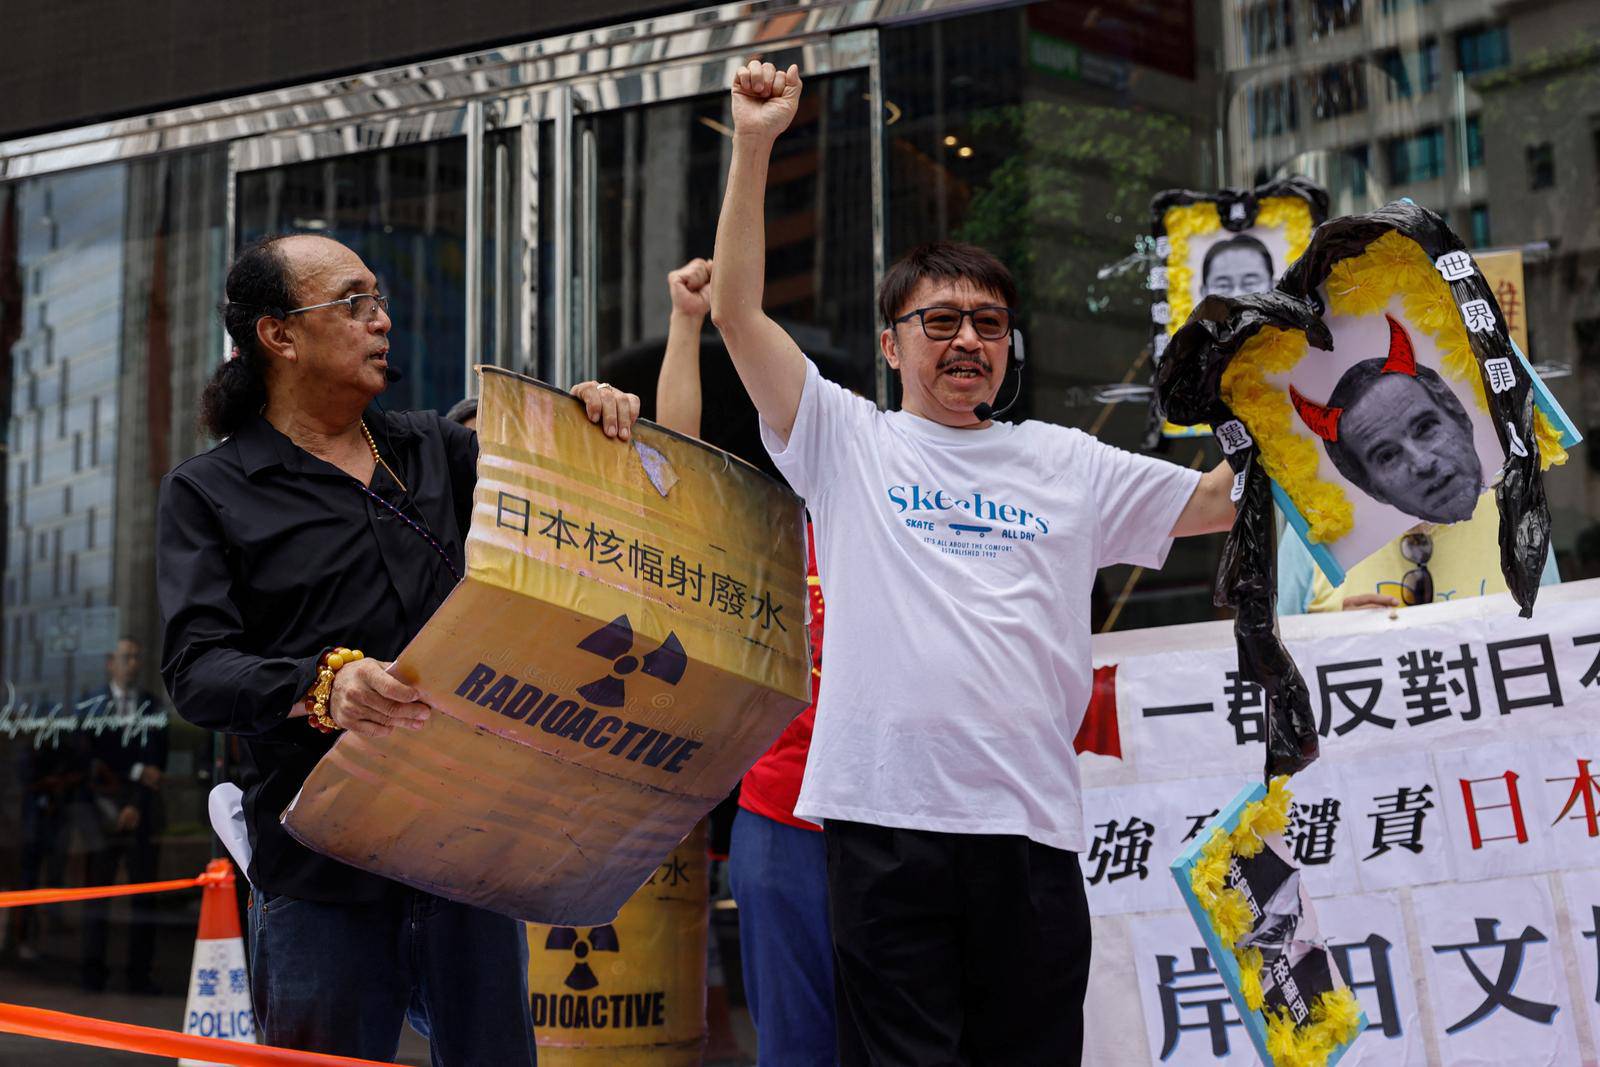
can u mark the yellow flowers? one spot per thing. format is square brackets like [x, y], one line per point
[1549, 437]
[1291, 213]
[1336, 1015]
[1335, 1019]
[1211, 870]
[1291, 458]
[1430, 307]
[1182, 223]
[1267, 816]
[1354, 291]
[1250, 977]
[1276, 351]
[1232, 917]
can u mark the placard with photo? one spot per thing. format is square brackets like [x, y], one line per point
[1232, 242]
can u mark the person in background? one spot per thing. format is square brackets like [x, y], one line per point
[1425, 564]
[1235, 267]
[464, 412]
[778, 867]
[126, 729]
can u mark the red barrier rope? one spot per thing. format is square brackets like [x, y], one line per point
[23, 897]
[125, 1037]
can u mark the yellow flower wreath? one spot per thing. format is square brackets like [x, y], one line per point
[1335, 1015]
[1360, 285]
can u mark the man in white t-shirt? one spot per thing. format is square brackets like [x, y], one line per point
[957, 556]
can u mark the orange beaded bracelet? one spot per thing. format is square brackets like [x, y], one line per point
[316, 700]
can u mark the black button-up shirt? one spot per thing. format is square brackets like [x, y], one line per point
[265, 557]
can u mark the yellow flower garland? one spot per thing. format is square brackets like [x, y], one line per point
[1180, 224]
[1335, 1015]
[1290, 458]
[1360, 285]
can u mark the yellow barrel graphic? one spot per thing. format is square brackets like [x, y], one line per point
[631, 992]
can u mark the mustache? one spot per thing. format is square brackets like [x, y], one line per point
[964, 360]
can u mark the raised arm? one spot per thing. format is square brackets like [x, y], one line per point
[768, 361]
[678, 386]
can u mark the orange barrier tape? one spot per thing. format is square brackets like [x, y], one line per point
[23, 897]
[125, 1037]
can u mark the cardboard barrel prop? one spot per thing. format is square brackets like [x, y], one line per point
[631, 992]
[630, 637]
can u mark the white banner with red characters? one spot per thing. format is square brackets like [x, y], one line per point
[1450, 832]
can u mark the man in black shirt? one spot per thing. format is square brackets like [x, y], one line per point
[318, 524]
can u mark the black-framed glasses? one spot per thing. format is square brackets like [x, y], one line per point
[364, 307]
[1416, 585]
[941, 323]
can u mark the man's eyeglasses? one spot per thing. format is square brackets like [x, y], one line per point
[1416, 585]
[943, 323]
[363, 307]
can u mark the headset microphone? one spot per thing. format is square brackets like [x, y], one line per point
[985, 412]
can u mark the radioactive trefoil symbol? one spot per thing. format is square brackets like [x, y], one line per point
[565, 938]
[614, 641]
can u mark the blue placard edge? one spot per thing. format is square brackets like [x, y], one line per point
[1324, 559]
[1546, 402]
[1227, 967]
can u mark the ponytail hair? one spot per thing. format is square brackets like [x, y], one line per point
[258, 286]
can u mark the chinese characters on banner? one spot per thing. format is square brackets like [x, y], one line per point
[1450, 834]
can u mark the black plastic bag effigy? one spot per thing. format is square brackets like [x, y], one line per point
[1190, 388]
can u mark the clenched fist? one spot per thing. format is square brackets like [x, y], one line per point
[765, 100]
[690, 288]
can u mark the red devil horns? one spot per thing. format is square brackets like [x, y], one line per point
[1323, 420]
[1319, 419]
[1402, 360]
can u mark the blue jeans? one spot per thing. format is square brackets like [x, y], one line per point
[343, 978]
[779, 875]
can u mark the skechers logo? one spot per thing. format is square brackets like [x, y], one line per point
[915, 498]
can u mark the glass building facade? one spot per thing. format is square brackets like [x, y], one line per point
[523, 205]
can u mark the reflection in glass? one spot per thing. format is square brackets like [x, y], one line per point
[108, 286]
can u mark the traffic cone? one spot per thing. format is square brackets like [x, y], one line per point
[219, 983]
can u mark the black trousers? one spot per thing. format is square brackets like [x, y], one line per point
[968, 949]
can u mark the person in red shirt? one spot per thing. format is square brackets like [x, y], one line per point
[776, 862]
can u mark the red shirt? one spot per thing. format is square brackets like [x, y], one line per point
[772, 786]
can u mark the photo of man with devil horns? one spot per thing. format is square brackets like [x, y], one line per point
[1398, 433]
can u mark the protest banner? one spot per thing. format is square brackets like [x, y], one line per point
[1450, 830]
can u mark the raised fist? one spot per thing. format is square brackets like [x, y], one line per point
[764, 99]
[690, 287]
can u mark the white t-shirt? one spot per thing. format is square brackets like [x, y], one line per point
[957, 566]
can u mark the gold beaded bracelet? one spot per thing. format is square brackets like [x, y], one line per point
[317, 699]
